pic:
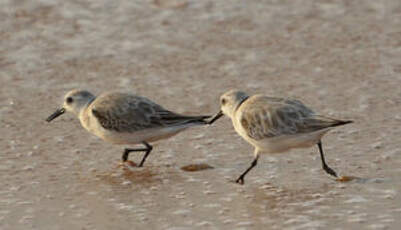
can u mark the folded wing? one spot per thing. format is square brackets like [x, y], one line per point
[272, 117]
[129, 113]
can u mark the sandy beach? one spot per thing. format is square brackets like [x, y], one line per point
[342, 58]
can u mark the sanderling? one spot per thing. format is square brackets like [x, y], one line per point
[274, 125]
[122, 118]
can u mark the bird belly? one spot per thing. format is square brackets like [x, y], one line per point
[138, 136]
[148, 135]
[284, 143]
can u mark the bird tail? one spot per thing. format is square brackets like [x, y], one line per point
[322, 122]
[199, 119]
[178, 119]
[341, 122]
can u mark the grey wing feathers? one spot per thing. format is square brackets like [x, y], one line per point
[283, 117]
[129, 113]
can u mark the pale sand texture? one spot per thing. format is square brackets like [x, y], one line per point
[342, 58]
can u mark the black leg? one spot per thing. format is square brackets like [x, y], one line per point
[240, 179]
[324, 165]
[147, 150]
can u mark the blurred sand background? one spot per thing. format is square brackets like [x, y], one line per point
[343, 58]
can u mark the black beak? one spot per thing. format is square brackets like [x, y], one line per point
[55, 114]
[216, 117]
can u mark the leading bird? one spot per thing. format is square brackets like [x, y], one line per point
[122, 118]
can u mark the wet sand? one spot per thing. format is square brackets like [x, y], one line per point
[343, 58]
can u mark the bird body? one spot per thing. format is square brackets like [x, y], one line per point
[275, 125]
[124, 118]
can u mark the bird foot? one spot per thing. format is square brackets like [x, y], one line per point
[240, 180]
[127, 164]
[330, 171]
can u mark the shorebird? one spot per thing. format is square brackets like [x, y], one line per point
[128, 119]
[274, 125]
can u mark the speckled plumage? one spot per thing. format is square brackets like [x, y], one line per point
[267, 117]
[274, 125]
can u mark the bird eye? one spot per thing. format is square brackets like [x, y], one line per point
[223, 101]
[69, 100]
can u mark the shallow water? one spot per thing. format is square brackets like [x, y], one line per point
[341, 58]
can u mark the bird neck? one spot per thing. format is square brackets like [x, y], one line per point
[240, 103]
